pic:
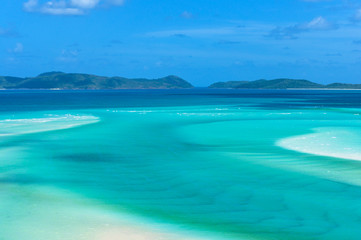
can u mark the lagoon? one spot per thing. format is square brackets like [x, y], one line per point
[180, 164]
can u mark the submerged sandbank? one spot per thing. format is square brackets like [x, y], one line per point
[331, 142]
[42, 122]
[62, 214]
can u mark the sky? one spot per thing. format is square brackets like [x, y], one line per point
[202, 41]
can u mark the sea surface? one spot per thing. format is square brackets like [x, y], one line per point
[180, 164]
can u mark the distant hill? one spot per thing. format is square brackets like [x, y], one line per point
[344, 86]
[282, 83]
[60, 80]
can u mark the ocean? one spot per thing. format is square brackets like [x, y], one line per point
[180, 164]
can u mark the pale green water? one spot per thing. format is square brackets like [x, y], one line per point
[202, 163]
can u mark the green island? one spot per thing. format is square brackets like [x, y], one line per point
[60, 80]
[282, 83]
[68, 81]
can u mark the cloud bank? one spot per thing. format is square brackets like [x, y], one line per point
[291, 32]
[67, 7]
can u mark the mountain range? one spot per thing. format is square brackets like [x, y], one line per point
[282, 83]
[61, 80]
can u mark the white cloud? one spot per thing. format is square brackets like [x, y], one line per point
[84, 3]
[52, 7]
[291, 32]
[18, 48]
[186, 15]
[198, 32]
[66, 7]
[8, 33]
[62, 11]
[318, 23]
[30, 5]
[315, 0]
[357, 16]
[115, 2]
[68, 55]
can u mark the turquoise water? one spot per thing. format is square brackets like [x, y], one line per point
[202, 164]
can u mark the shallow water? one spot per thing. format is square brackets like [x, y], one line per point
[221, 164]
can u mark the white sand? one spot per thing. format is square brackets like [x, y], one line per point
[332, 142]
[42, 213]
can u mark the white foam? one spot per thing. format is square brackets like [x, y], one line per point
[332, 142]
[48, 122]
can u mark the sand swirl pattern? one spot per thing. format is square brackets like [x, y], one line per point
[187, 170]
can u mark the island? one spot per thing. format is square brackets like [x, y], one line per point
[79, 81]
[66, 81]
[282, 83]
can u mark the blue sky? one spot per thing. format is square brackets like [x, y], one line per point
[201, 41]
